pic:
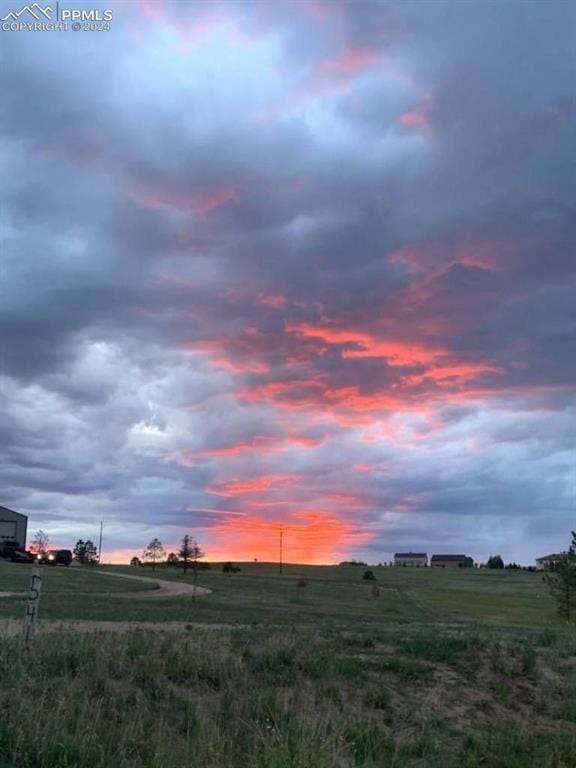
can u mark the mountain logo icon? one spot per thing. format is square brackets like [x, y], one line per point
[34, 10]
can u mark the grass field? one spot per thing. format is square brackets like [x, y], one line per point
[258, 594]
[466, 669]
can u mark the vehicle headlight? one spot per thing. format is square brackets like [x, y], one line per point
[38, 557]
[50, 557]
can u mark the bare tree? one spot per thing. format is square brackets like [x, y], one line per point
[154, 553]
[190, 553]
[40, 543]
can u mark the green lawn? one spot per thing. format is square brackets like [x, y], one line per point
[66, 581]
[260, 595]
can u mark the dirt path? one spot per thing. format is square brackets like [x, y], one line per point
[13, 627]
[165, 588]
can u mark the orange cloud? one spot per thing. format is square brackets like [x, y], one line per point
[432, 259]
[257, 485]
[305, 442]
[481, 255]
[309, 536]
[245, 359]
[352, 399]
[460, 372]
[297, 389]
[397, 353]
[240, 366]
[261, 444]
[120, 557]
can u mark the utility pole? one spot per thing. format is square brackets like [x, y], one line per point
[100, 543]
[281, 533]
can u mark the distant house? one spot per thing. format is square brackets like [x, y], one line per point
[13, 527]
[451, 561]
[411, 559]
[547, 562]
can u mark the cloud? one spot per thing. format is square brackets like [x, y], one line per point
[300, 264]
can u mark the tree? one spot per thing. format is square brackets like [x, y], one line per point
[85, 552]
[190, 553]
[154, 553]
[495, 562]
[561, 581]
[40, 543]
[135, 562]
[172, 559]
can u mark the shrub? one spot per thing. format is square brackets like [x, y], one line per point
[369, 575]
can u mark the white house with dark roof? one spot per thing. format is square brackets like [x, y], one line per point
[548, 561]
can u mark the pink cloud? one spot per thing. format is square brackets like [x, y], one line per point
[200, 202]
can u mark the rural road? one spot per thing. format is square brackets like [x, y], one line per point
[165, 588]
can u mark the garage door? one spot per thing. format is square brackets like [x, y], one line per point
[7, 529]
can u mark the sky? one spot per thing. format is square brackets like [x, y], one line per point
[300, 265]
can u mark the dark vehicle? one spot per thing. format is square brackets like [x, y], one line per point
[55, 557]
[20, 556]
[11, 550]
[7, 547]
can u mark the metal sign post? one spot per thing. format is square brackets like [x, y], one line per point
[32, 603]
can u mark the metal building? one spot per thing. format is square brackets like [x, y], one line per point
[13, 526]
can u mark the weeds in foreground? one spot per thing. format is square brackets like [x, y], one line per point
[290, 700]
